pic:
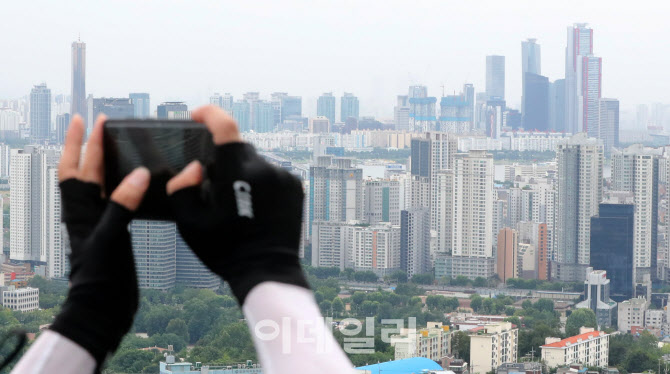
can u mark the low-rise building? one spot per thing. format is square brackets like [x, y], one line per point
[21, 299]
[493, 345]
[589, 348]
[433, 342]
[631, 313]
[169, 366]
[523, 367]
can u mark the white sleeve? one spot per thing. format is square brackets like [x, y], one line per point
[289, 331]
[54, 353]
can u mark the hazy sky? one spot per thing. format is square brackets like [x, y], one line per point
[186, 50]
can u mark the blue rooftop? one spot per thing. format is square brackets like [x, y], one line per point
[405, 366]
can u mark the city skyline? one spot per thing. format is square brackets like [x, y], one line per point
[206, 72]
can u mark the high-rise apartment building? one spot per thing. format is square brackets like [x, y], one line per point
[589, 88]
[62, 124]
[608, 124]
[348, 107]
[507, 265]
[421, 110]
[291, 108]
[336, 190]
[329, 243]
[35, 214]
[141, 104]
[263, 117]
[495, 77]
[636, 169]
[493, 345]
[242, 114]
[401, 113]
[154, 244]
[325, 107]
[415, 241]
[473, 215]
[190, 271]
[381, 201]
[78, 99]
[40, 113]
[457, 111]
[225, 102]
[557, 106]
[375, 248]
[172, 110]
[578, 192]
[531, 63]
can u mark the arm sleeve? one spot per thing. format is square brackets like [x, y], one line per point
[54, 353]
[289, 331]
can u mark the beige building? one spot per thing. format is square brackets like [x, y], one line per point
[508, 249]
[589, 348]
[433, 342]
[631, 313]
[491, 346]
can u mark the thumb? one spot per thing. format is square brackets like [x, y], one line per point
[189, 177]
[132, 188]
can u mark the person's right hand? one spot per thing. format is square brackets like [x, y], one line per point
[246, 225]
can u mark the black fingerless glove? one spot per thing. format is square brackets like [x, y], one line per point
[103, 295]
[244, 223]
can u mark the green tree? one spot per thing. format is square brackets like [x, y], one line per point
[422, 278]
[544, 305]
[476, 302]
[338, 307]
[580, 318]
[479, 282]
[460, 343]
[178, 327]
[399, 276]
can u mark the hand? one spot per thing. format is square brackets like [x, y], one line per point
[246, 226]
[103, 296]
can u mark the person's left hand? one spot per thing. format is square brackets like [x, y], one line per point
[103, 296]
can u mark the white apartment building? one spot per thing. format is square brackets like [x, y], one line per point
[433, 342]
[329, 240]
[375, 248]
[631, 313]
[589, 348]
[336, 190]
[21, 299]
[578, 193]
[472, 236]
[491, 346]
[381, 201]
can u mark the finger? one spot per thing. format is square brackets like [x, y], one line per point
[132, 188]
[222, 126]
[190, 176]
[92, 169]
[69, 161]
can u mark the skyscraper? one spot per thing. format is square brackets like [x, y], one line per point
[62, 123]
[190, 271]
[171, 110]
[612, 237]
[336, 190]
[113, 108]
[78, 100]
[401, 113]
[415, 241]
[507, 264]
[40, 113]
[241, 114]
[421, 109]
[530, 64]
[495, 77]
[608, 124]
[225, 102]
[536, 102]
[291, 107]
[636, 170]
[325, 107]
[580, 43]
[557, 105]
[579, 191]
[154, 244]
[263, 117]
[589, 89]
[457, 111]
[381, 201]
[141, 105]
[348, 107]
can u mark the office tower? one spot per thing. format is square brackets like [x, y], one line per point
[154, 244]
[480, 112]
[325, 106]
[535, 102]
[401, 113]
[225, 102]
[276, 100]
[216, 99]
[171, 109]
[78, 99]
[141, 104]
[473, 215]
[642, 116]
[530, 64]
[291, 108]
[612, 247]
[329, 244]
[348, 107]
[597, 297]
[319, 125]
[113, 108]
[493, 345]
[589, 86]
[421, 109]
[241, 114]
[495, 110]
[495, 78]
[608, 124]
[578, 192]
[457, 111]
[636, 169]
[557, 106]
[580, 44]
[336, 190]
[375, 248]
[62, 124]
[507, 265]
[415, 241]
[381, 201]
[190, 271]
[35, 202]
[263, 117]
[40, 113]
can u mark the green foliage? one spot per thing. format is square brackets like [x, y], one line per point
[365, 276]
[408, 289]
[441, 303]
[178, 327]
[534, 284]
[398, 276]
[460, 345]
[52, 293]
[580, 318]
[423, 278]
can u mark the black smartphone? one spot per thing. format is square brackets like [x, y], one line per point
[165, 147]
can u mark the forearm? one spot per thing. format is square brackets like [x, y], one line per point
[289, 331]
[54, 353]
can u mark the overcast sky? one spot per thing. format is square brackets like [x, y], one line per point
[187, 50]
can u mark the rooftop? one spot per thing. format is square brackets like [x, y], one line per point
[575, 339]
